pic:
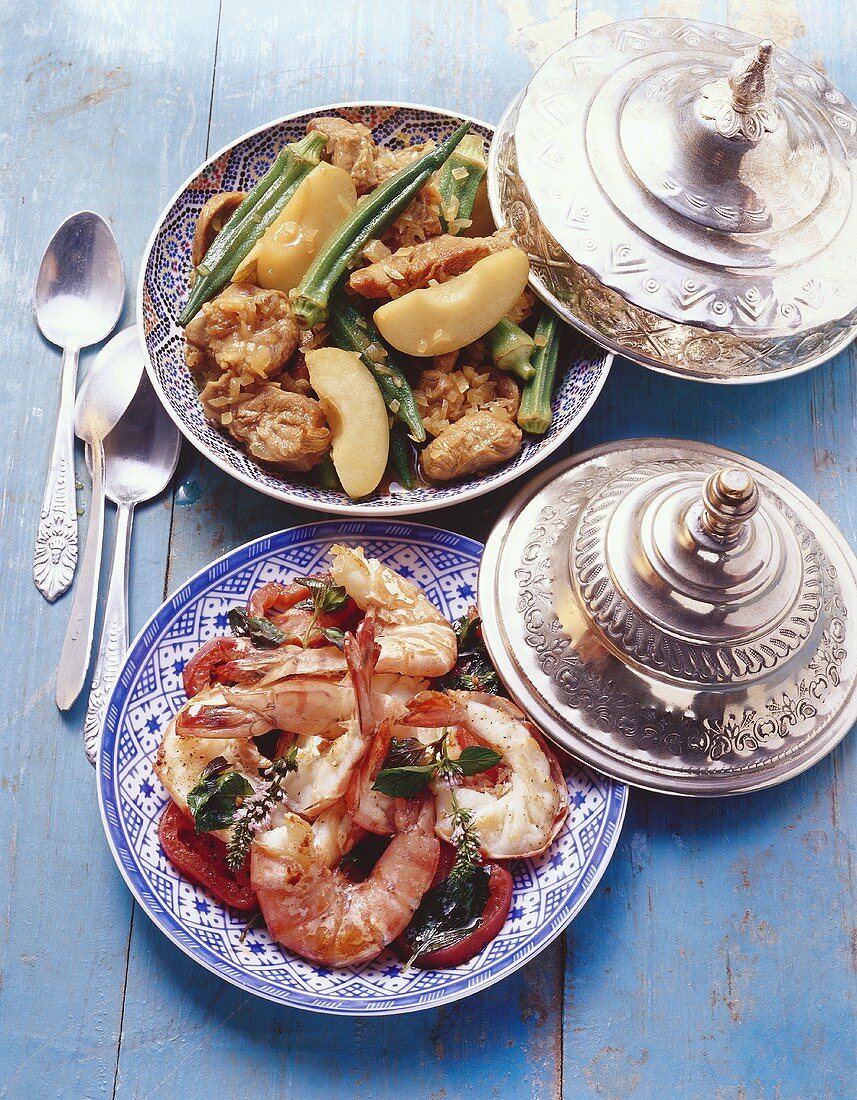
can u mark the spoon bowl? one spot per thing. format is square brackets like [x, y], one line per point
[142, 451]
[140, 456]
[80, 287]
[109, 386]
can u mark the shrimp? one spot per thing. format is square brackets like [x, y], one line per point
[303, 705]
[372, 809]
[518, 807]
[180, 762]
[335, 833]
[415, 639]
[325, 765]
[314, 910]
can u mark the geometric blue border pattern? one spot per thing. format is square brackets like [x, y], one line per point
[548, 891]
[164, 286]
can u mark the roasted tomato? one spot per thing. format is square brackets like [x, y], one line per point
[201, 857]
[201, 670]
[493, 919]
[280, 603]
[273, 597]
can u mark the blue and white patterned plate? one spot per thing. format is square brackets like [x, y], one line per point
[164, 287]
[548, 891]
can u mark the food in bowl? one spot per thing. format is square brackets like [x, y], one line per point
[388, 258]
[347, 764]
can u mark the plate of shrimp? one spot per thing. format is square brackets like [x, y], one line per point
[265, 393]
[314, 785]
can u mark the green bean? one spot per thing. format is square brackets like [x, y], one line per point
[511, 349]
[370, 218]
[400, 453]
[246, 226]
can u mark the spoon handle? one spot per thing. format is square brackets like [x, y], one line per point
[74, 658]
[114, 633]
[55, 554]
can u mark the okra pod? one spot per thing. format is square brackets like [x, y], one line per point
[350, 330]
[511, 349]
[534, 412]
[460, 180]
[259, 210]
[400, 453]
[370, 218]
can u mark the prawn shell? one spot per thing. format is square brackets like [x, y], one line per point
[556, 773]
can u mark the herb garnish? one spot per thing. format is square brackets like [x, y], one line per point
[405, 772]
[215, 799]
[473, 669]
[255, 810]
[452, 909]
[326, 597]
[260, 631]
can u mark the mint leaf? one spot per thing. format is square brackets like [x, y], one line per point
[212, 802]
[476, 759]
[261, 632]
[404, 782]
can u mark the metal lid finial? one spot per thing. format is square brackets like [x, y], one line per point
[729, 500]
[742, 105]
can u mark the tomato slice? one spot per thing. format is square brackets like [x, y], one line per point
[202, 669]
[276, 597]
[279, 603]
[496, 910]
[201, 857]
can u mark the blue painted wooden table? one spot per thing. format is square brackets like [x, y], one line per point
[719, 955]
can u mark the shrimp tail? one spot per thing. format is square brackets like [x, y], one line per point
[433, 709]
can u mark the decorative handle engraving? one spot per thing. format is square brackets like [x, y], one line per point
[55, 553]
[114, 635]
[741, 105]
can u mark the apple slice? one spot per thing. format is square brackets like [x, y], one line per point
[450, 315]
[355, 411]
[282, 257]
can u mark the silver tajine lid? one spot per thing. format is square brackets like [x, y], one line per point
[675, 615]
[686, 194]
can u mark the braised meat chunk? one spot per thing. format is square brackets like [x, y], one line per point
[473, 444]
[277, 426]
[212, 218]
[246, 331]
[350, 146]
[414, 268]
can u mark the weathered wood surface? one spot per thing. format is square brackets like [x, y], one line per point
[717, 958]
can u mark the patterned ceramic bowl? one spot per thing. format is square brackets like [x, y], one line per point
[164, 287]
[548, 891]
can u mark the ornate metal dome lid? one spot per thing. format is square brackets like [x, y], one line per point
[686, 194]
[676, 615]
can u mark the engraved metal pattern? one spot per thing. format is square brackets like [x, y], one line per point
[55, 554]
[650, 717]
[110, 654]
[639, 334]
[724, 266]
[740, 106]
[649, 643]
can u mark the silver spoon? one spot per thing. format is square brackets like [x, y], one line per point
[79, 294]
[105, 394]
[140, 455]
